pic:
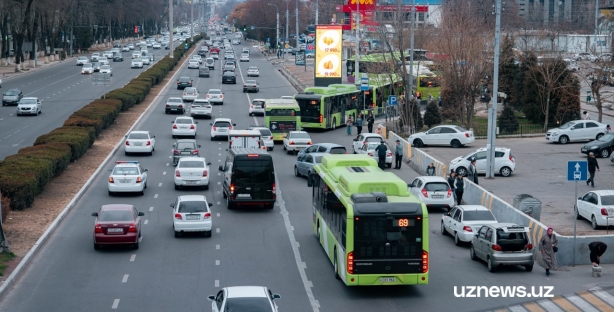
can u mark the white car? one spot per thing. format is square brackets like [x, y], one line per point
[29, 106]
[191, 213]
[296, 141]
[584, 56]
[103, 61]
[577, 130]
[244, 57]
[192, 171]
[433, 191]
[136, 63]
[127, 177]
[193, 64]
[267, 137]
[215, 55]
[156, 46]
[210, 62]
[125, 49]
[146, 60]
[197, 58]
[108, 54]
[464, 221]
[201, 108]
[597, 207]
[81, 60]
[95, 57]
[87, 68]
[369, 149]
[505, 163]
[131, 46]
[446, 135]
[184, 126]
[220, 128]
[215, 96]
[140, 142]
[256, 107]
[363, 139]
[106, 69]
[190, 94]
[136, 54]
[253, 71]
[257, 298]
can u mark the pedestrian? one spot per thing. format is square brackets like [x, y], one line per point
[398, 155]
[359, 124]
[473, 172]
[430, 170]
[592, 165]
[379, 130]
[459, 188]
[548, 247]
[608, 129]
[370, 122]
[597, 249]
[349, 122]
[451, 181]
[381, 150]
[586, 116]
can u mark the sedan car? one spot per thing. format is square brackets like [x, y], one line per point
[146, 60]
[156, 45]
[210, 62]
[505, 163]
[191, 213]
[118, 57]
[296, 141]
[577, 130]
[131, 46]
[174, 104]
[197, 58]
[203, 71]
[117, 224]
[253, 71]
[29, 106]
[106, 69]
[87, 69]
[184, 126]
[601, 147]
[369, 149]
[136, 63]
[304, 164]
[127, 177]
[464, 221]
[597, 207]
[96, 66]
[244, 298]
[82, 60]
[125, 49]
[229, 77]
[215, 96]
[220, 128]
[244, 57]
[190, 94]
[215, 55]
[433, 191]
[193, 64]
[95, 57]
[251, 85]
[185, 148]
[201, 108]
[12, 97]
[446, 135]
[325, 148]
[256, 107]
[364, 139]
[108, 54]
[140, 142]
[184, 82]
[503, 244]
[192, 171]
[266, 136]
[136, 54]
[103, 61]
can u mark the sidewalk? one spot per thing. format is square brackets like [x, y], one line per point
[7, 72]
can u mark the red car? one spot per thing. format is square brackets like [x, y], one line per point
[117, 224]
[214, 49]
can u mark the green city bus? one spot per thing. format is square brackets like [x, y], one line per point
[373, 230]
[429, 85]
[281, 116]
[328, 107]
[381, 86]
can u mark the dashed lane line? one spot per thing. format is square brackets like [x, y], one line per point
[125, 279]
[160, 184]
[115, 304]
[146, 221]
[132, 258]
[217, 246]
[217, 262]
[217, 283]
[156, 196]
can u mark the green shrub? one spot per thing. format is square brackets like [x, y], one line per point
[78, 138]
[99, 114]
[58, 153]
[19, 187]
[6, 206]
[40, 168]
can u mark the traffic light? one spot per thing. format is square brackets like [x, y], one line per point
[244, 27]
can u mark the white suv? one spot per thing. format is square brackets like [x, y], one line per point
[451, 135]
[433, 191]
[505, 163]
[577, 130]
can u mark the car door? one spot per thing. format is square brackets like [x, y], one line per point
[591, 206]
[143, 173]
[577, 132]
[414, 187]
[432, 136]
[457, 223]
[479, 246]
[454, 214]
[304, 164]
[591, 130]
[137, 218]
[480, 161]
[358, 143]
[446, 135]
[486, 242]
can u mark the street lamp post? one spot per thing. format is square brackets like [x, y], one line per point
[191, 21]
[492, 111]
[356, 62]
[276, 27]
[296, 35]
[170, 28]
[287, 28]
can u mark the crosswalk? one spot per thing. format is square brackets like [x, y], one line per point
[593, 300]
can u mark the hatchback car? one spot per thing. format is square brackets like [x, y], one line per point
[251, 86]
[256, 107]
[140, 142]
[127, 177]
[220, 128]
[433, 191]
[12, 97]
[577, 130]
[267, 137]
[192, 171]
[117, 224]
[203, 71]
[244, 298]
[174, 104]
[184, 82]
[326, 148]
[190, 94]
[296, 141]
[601, 147]
[184, 126]
[597, 207]
[185, 148]
[215, 96]
[304, 164]
[253, 71]
[136, 63]
[505, 163]
[369, 149]
[87, 68]
[229, 77]
[29, 106]
[503, 244]
[191, 213]
[193, 64]
[464, 221]
[201, 108]
[446, 135]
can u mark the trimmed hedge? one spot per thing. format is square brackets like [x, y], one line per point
[24, 175]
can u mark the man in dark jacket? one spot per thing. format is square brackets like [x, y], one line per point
[473, 172]
[597, 249]
[381, 150]
[592, 165]
[370, 122]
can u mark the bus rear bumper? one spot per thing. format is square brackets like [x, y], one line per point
[387, 280]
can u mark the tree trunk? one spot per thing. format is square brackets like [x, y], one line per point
[598, 103]
[547, 112]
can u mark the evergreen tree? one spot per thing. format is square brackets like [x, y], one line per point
[432, 116]
[508, 70]
[508, 122]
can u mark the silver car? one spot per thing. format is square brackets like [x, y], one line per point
[326, 148]
[267, 137]
[304, 164]
[201, 108]
[369, 149]
[190, 94]
[29, 106]
[136, 63]
[433, 191]
[503, 244]
[146, 60]
[296, 141]
[174, 104]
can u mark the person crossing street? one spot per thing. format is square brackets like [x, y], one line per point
[592, 165]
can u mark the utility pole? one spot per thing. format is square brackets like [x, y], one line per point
[356, 57]
[596, 22]
[317, 5]
[287, 29]
[170, 28]
[277, 27]
[411, 56]
[296, 35]
[72, 24]
[492, 111]
[192, 21]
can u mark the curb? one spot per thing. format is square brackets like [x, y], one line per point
[32, 70]
[20, 269]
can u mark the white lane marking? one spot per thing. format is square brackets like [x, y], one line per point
[219, 174]
[115, 304]
[218, 214]
[50, 85]
[217, 148]
[150, 208]
[217, 283]
[219, 160]
[217, 230]
[164, 173]
[160, 184]
[219, 154]
[219, 183]
[156, 196]
[170, 156]
[132, 257]
[146, 221]
[140, 239]
[125, 279]
[1, 118]
[217, 246]
[217, 262]
[167, 164]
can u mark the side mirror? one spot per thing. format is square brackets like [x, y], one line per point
[94, 214]
[234, 124]
[210, 205]
[221, 168]
[208, 163]
[141, 214]
[410, 185]
[153, 137]
[211, 298]
[211, 124]
[476, 234]
[145, 170]
[172, 121]
[198, 145]
[196, 122]
[172, 205]
[276, 296]
[175, 144]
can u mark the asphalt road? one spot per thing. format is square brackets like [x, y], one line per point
[274, 248]
[63, 90]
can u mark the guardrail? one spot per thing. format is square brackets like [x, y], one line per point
[299, 86]
[416, 158]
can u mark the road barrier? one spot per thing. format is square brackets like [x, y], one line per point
[416, 158]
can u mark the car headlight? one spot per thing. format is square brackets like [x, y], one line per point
[555, 133]
[594, 147]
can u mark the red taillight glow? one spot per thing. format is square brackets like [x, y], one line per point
[424, 193]
[221, 96]
[274, 188]
[389, 154]
[511, 158]
[128, 143]
[111, 180]
[230, 128]
[466, 134]
[139, 180]
[350, 262]
[321, 118]
[207, 215]
[232, 188]
[192, 127]
[496, 247]
[132, 228]
[180, 106]
[148, 143]
[205, 173]
[449, 193]
[309, 143]
[214, 128]
[370, 154]
[208, 96]
[467, 229]
[529, 246]
[195, 152]
[176, 152]
[177, 173]
[174, 126]
[604, 212]
[98, 228]
[425, 261]
[178, 216]
[291, 143]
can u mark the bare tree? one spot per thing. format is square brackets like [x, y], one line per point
[548, 75]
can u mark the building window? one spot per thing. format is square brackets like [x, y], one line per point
[421, 17]
[388, 16]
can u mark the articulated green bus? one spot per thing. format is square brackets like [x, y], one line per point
[373, 230]
[328, 107]
[281, 116]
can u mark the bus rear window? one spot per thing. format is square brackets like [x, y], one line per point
[387, 238]
[255, 170]
[282, 112]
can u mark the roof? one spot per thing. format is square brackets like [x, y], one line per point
[116, 207]
[603, 192]
[369, 135]
[221, 119]
[140, 131]
[258, 100]
[428, 179]
[184, 117]
[329, 144]
[192, 197]
[186, 140]
[248, 151]
[298, 132]
[472, 207]
[244, 132]
[246, 291]
[191, 158]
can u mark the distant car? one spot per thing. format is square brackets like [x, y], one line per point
[136, 63]
[201, 108]
[103, 61]
[210, 62]
[11, 97]
[184, 126]
[220, 128]
[156, 45]
[146, 60]
[503, 244]
[95, 57]
[326, 148]
[174, 104]
[584, 56]
[125, 49]
[244, 57]
[140, 142]
[118, 57]
[505, 163]
[193, 64]
[364, 139]
[253, 71]
[96, 66]
[108, 54]
[215, 96]
[185, 148]
[251, 85]
[203, 71]
[127, 177]
[184, 82]
[117, 224]
[192, 213]
[257, 107]
[192, 171]
[229, 77]
[82, 60]
[369, 149]
[245, 298]
[197, 58]
[190, 94]
[136, 54]
[296, 141]
[464, 221]
[304, 164]
[596, 207]
[87, 68]
[577, 130]
[433, 191]
[29, 106]
[601, 147]
[446, 135]
[106, 69]
[215, 55]
[267, 137]
[131, 46]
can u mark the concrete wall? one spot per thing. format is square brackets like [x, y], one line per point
[416, 158]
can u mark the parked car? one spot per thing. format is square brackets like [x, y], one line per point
[433, 191]
[577, 130]
[503, 244]
[446, 135]
[597, 207]
[505, 163]
[464, 221]
[363, 139]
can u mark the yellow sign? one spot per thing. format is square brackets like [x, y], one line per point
[287, 45]
[361, 2]
[328, 51]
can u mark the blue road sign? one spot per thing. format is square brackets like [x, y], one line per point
[392, 100]
[577, 170]
[268, 39]
[364, 84]
[252, 27]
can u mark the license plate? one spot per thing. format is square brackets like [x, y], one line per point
[584, 149]
[244, 195]
[173, 109]
[437, 196]
[124, 181]
[192, 217]
[387, 279]
[115, 230]
[138, 144]
[191, 182]
[222, 130]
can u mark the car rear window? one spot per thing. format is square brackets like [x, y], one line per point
[183, 121]
[253, 170]
[300, 135]
[138, 136]
[184, 79]
[338, 150]
[125, 171]
[250, 81]
[607, 200]
[115, 215]
[436, 186]
[175, 100]
[192, 206]
[215, 92]
[373, 139]
[265, 132]
[185, 146]
[189, 90]
[222, 124]
[191, 164]
[478, 215]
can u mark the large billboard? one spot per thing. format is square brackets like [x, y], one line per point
[328, 65]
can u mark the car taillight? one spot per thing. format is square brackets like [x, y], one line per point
[148, 143]
[604, 212]
[449, 192]
[309, 143]
[244, 86]
[389, 154]
[270, 138]
[214, 128]
[321, 118]
[466, 134]
[192, 127]
[180, 106]
[221, 96]
[291, 143]
[232, 188]
[195, 152]
[98, 228]
[467, 229]
[184, 93]
[208, 96]
[177, 173]
[111, 180]
[132, 228]
[274, 188]
[174, 126]
[425, 193]
[168, 105]
[178, 82]
[425, 261]
[178, 216]
[350, 262]
[496, 247]
[128, 143]
[369, 153]
[205, 174]
[139, 180]
[511, 158]
[529, 246]
[251, 105]
[230, 128]
[207, 215]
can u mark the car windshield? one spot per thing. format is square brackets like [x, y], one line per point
[258, 103]
[300, 135]
[183, 121]
[607, 200]
[126, 171]
[607, 138]
[191, 164]
[265, 132]
[11, 92]
[82, 58]
[115, 215]
[27, 101]
[436, 187]
[186, 146]
[478, 215]
[568, 125]
[259, 304]
[192, 206]
[138, 136]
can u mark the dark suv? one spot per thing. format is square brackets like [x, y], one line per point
[229, 77]
[185, 148]
[184, 82]
[11, 97]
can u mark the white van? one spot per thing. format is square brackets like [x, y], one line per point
[244, 139]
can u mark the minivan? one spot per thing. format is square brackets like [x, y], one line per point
[249, 178]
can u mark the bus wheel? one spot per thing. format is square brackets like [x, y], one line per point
[336, 266]
[334, 123]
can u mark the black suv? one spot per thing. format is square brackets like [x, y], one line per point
[11, 97]
[184, 82]
[229, 77]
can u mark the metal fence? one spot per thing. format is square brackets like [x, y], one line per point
[481, 131]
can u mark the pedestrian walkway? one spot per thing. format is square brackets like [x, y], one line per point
[593, 300]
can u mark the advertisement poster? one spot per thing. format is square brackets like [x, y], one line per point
[328, 65]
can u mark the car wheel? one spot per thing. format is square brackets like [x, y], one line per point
[462, 171]
[142, 192]
[296, 173]
[110, 193]
[173, 136]
[177, 234]
[491, 266]
[457, 240]
[599, 136]
[96, 246]
[206, 187]
[529, 267]
[564, 139]
[418, 143]
[605, 153]
[443, 229]
[472, 253]
[336, 266]
[270, 206]
[207, 234]
[126, 153]
[176, 187]
[455, 143]
[224, 194]
[594, 223]
[389, 165]
[229, 204]
[284, 147]
[506, 171]
[145, 186]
